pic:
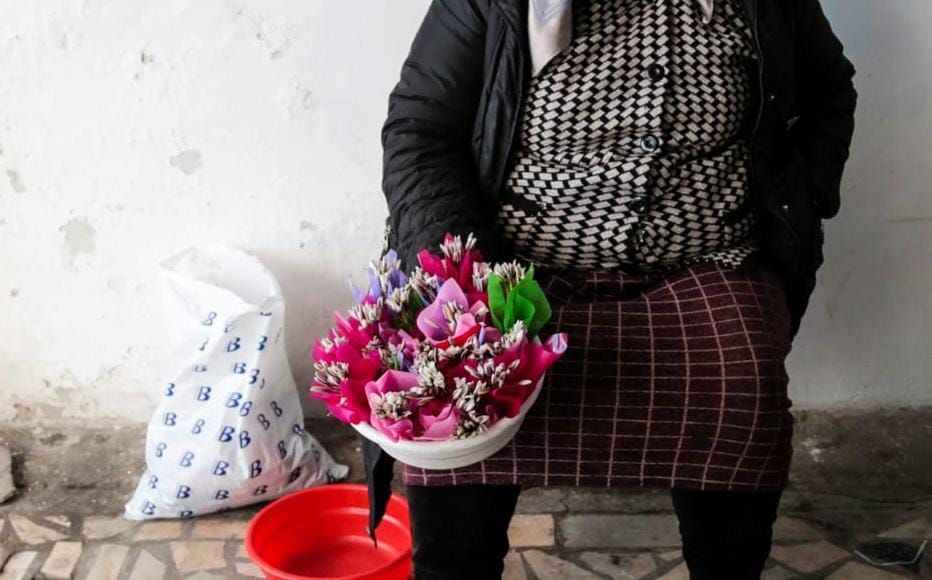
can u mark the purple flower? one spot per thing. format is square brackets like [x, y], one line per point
[489, 334]
[385, 276]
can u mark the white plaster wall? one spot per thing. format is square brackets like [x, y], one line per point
[130, 130]
[867, 338]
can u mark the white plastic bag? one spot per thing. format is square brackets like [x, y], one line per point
[229, 429]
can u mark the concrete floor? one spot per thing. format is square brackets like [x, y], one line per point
[73, 481]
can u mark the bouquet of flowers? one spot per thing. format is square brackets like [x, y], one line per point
[445, 353]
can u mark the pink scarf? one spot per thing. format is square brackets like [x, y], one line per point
[550, 27]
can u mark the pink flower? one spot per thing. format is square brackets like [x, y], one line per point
[348, 402]
[390, 410]
[508, 399]
[437, 420]
[537, 358]
[354, 332]
[446, 269]
[466, 328]
[534, 360]
[348, 406]
[434, 320]
[435, 265]
[401, 343]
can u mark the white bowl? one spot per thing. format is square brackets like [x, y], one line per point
[456, 452]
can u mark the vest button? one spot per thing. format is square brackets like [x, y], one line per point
[656, 72]
[649, 144]
[638, 205]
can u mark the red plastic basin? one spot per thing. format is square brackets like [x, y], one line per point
[320, 533]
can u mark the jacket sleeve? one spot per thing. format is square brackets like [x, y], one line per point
[429, 176]
[827, 105]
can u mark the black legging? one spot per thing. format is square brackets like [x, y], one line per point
[460, 532]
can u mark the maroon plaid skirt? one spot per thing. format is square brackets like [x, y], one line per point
[675, 380]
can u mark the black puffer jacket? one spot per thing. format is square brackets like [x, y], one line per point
[453, 118]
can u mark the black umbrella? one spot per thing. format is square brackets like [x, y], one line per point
[379, 474]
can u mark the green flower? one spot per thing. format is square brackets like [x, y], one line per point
[525, 301]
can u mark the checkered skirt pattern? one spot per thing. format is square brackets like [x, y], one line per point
[675, 381]
[632, 146]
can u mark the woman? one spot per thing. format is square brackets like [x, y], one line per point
[666, 166]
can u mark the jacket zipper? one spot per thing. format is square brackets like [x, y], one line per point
[513, 130]
[760, 83]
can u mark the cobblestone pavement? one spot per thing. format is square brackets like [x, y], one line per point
[559, 533]
[65, 523]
